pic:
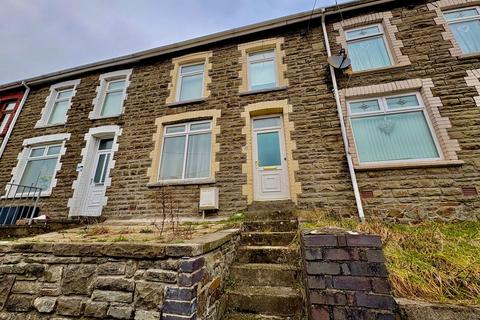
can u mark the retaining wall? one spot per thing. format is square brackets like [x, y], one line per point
[115, 280]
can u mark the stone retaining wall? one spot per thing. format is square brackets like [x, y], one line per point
[346, 277]
[115, 280]
[413, 310]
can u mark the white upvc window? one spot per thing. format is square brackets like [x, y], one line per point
[190, 81]
[186, 151]
[392, 129]
[7, 113]
[57, 104]
[111, 94]
[262, 71]
[368, 47]
[465, 26]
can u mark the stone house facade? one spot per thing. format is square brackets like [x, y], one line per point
[254, 114]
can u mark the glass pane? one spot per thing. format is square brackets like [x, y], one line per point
[172, 158]
[368, 54]
[364, 106]
[402, 136]
[198, 156]
[59, 112]
[38, 173]
[269, 54]
[192, 68]
[467, 34]
[99, 170]
[37, 152]
[191, 87]
[105, 168]
[105, 144]
[460, 14]
[3, 124]
[266, 123]
[402, 102]
[365, 32]
[200, 126]
[116, 85]
[268, 148]
[113, 104]
[176, 129]
[64, 94]
[10, 106]
[53, 150]
[262, 75]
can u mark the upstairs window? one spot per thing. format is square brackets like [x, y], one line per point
[261, 70]
[465, 26]
[60, 107]
[393, 128]
[186, 151]
[40, 167]
[367, 48]
[113, 101]
[6, 115]
[190, 82]
[111, 94]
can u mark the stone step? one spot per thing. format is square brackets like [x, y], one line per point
[266, 274]
[267, 238]
[270, 226]
[276, 301]
[251, 316]
[266, 254]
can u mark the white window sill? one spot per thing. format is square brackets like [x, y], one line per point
[49, 125]
[407, 165]
[181, 182]
[246, 93]
[25, 195]
[392, 67]
[183, 102]
[105, 117]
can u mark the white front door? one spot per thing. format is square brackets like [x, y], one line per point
[96, 186]
[270, 172]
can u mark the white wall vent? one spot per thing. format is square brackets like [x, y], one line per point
[208, 198]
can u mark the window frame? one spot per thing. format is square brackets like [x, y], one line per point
[6, 115]
[382, 102]
[187, 132]
[106, 91]
[180, 77]
[460, 20]
[249, 63]
[363, 38]
[55, 100]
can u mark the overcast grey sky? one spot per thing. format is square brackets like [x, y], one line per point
[42, 36]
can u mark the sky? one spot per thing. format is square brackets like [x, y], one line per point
[43, 36]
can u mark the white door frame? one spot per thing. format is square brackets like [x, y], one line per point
[283, 176]
[80, 186]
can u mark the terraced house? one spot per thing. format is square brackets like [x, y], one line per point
[257, 114]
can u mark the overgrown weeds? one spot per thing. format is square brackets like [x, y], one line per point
[436, 261]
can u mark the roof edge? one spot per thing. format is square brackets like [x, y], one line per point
[195, 42]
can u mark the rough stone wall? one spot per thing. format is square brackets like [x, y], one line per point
[346, 277]
[402, 194]
[414, 309]
[118, 281]
[425, 193]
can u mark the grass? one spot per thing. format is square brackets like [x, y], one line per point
[434, 261]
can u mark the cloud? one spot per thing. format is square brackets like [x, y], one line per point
[44, 36]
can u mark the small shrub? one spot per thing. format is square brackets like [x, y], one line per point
[146, 230]
[119, 239]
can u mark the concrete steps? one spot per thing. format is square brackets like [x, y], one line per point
[265, 300]
[266, 254]
[270, 226]
[251, 316]
[267, 238]
[266, 274]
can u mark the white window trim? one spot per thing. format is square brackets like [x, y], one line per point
[450, 22]
[180, 76]
[186, 133]
[79, 186]
[102, 91]
[384, 111]
[362, 38]
[6, 115]
[275, 68]
[23, 156]
[50, 102]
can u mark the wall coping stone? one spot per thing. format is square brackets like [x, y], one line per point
[197, 246]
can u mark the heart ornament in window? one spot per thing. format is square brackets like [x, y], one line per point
[386, 127]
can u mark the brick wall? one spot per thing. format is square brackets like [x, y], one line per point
[400, 194]
[346, 277]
